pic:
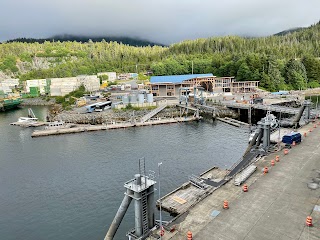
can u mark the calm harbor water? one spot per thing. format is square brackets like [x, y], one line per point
[70, 187]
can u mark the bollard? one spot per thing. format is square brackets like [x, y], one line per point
[225, 204]
[189, 235]
[309, 221]
[265, 170]
[272, 162]
[285, 151]
[245, 188]
[277, 158]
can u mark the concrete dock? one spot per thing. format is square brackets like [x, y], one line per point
[88, 128]
[275, 207]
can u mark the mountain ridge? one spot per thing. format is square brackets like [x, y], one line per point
[132, 41]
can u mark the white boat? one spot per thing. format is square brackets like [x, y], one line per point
[27, 120]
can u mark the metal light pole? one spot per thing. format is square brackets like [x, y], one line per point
[159, 164]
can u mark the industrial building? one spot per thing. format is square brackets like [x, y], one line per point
[8, 85]
[170, 85]
[61, 86]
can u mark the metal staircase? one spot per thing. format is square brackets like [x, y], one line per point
[153, 112]
[144, 204]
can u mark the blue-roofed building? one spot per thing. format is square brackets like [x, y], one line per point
[164, 86]
[177, 78]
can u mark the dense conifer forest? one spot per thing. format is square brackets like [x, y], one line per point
[285, 61]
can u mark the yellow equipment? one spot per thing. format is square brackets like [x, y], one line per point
[80, 101]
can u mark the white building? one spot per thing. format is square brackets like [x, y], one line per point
[63, 86]
[112, 76]
[8, 85]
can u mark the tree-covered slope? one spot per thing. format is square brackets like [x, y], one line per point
[290, 61]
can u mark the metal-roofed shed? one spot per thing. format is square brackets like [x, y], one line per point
[177, 78]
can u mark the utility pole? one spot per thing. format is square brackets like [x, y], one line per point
[159, 164]
[192, 67]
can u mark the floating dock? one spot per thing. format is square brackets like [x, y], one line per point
[29, 124]
[89, 128]
[190, 193]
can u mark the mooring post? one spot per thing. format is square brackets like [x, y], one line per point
[249, 115]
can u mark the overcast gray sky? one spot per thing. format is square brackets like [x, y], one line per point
[164, 21]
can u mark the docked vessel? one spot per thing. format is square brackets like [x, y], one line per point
[9, 103]
[27, 119]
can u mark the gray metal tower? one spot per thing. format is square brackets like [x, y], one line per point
[141, 190]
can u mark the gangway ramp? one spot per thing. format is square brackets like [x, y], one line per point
[153, 112]
[233, 122]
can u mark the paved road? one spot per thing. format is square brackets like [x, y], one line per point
[277, 204]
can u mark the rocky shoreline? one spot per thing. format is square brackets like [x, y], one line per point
[38, 102]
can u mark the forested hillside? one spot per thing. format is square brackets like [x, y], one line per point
[288, 62]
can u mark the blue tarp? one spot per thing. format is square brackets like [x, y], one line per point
[289, 138]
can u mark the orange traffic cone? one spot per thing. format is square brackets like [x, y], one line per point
[277, 158]
[315, 126]
[285, 151]
[293, 143]
[225, 204]
[245, 188]
[310, 130]
[305, 134]
[309, 221]
[272, 162]
[265, 170]
[189, 235]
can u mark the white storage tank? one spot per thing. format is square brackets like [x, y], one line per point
[141, 98]
[125, 99]
[150, 98]
[133, 98]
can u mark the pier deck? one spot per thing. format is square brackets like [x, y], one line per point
[272, 108]
[275, 207]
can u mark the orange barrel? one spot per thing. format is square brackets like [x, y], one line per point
[225, 204]
[189, 235]
[309, 221]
